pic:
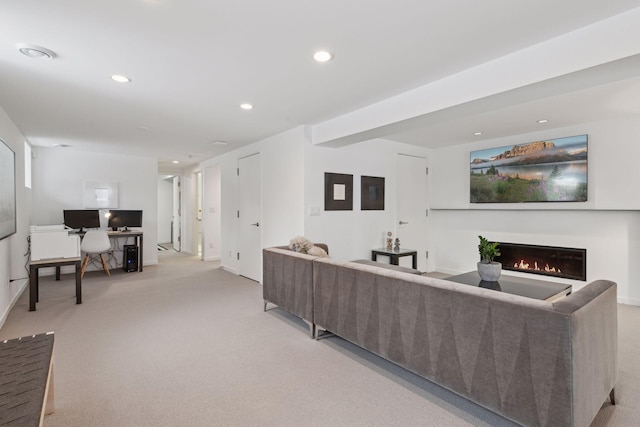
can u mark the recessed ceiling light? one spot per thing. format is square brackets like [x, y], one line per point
[543, 121]
[36, 52]
[477, 133]
[175, 162]
[246, 106]
[322, 56]
[61, 145]
[220, 142]
[120, 78]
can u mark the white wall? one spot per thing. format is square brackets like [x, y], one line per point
[293, 181]
[13, 248]
[165, 209]
[353, 234]
[58, 182]
[607, 225]
[282, 166]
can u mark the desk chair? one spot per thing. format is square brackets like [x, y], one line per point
[95, 242]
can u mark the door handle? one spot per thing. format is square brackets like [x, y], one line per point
[403, 223]
[257, 224]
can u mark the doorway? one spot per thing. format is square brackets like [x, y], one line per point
[412, 206]
[249, 217]
[165, 211]
[176, 235]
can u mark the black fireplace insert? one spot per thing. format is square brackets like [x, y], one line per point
[569, 263]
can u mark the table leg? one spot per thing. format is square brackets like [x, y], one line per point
[415, 261]
[395, 259]
[33, 287]
[57, 272]
[374, 256]
[140, 253]
[78, 283]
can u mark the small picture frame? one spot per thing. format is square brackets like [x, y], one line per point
[338, 192]
[100, 194]
[371, 193]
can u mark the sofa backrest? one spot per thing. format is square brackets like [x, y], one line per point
[512, 354]
[321, 245]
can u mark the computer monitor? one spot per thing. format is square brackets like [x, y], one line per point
[81, 219]
[124, 219]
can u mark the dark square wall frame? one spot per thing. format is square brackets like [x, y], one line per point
[338, 192]
[7, 191]
[371, 193]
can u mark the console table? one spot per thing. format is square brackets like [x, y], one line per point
[394, 256]
[35, 266]
[531, 288]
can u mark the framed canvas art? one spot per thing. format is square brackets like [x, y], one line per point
[371, 193]
[7, 191]
[338, 192]
[552, 170]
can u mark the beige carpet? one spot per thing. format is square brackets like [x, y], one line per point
[187, 344]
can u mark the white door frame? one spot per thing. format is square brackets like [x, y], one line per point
[176, 236]
[416, 221]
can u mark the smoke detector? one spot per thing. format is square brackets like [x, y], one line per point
[35, 52]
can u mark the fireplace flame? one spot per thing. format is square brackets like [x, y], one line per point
[522, 265]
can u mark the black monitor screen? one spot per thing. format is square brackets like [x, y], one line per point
[121, 218]
[79, 219]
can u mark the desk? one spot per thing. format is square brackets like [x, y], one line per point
[139, 235]
[35, 266]
[394, 256]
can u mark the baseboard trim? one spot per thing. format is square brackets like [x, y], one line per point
[629, 301]
[230, 270]
[13, 302]
[212, 258]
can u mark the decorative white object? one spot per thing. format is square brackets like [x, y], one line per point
[489, 272]
[100, 194]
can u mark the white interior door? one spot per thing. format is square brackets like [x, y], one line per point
[249, 217]
[412, 208]
[177, 200]
[197, 221]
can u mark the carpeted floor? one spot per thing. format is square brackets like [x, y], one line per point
[187, 344]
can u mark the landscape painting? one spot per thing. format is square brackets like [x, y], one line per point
[553, 170]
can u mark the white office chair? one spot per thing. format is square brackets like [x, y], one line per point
[95, 242]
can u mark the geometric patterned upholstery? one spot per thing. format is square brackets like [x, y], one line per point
[510, 354]
[287, 280]
[25, 365]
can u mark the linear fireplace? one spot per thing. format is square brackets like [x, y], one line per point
[569, 263]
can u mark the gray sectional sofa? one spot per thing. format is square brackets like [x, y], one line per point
[287, 281]
[534, 362]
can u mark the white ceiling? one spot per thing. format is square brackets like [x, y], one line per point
[192, 63]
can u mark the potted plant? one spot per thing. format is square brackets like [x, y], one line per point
[488, 269]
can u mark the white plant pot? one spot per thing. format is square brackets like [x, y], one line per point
[489, 272]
